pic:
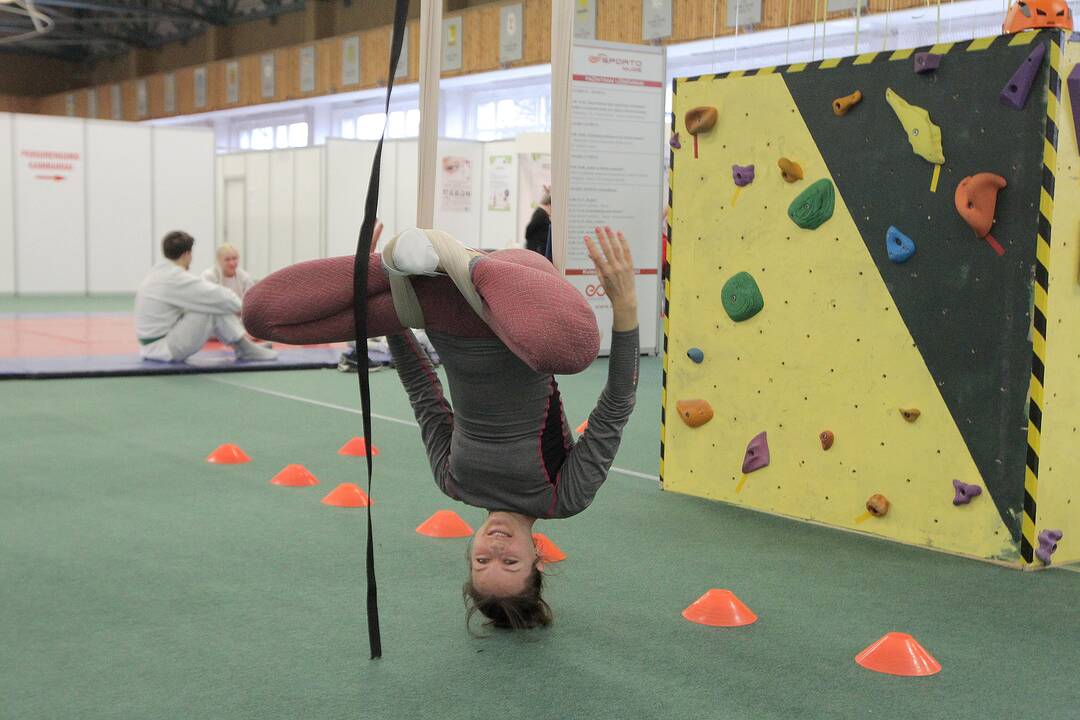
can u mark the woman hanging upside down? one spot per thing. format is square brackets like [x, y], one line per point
[503, 323]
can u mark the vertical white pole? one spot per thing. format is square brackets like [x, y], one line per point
[428, 150]
[562, 38]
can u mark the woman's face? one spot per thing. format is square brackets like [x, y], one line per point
[229, 261]
[503, 555]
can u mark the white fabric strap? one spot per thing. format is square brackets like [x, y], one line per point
[455, 260]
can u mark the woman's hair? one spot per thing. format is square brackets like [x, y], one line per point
[225, 248]
[513, 612]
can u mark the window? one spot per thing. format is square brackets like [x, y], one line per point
[509, 113]
[403, 123]
[269, 133]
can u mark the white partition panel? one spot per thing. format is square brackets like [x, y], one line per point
[256, 256]
[50, 207]
[7, 206]
[184, 189]
[388, 194]
[281, 210]
[406, 181]
[458, 186]
[308, 204]
[499, 199]
[348, 169]
[119, 209]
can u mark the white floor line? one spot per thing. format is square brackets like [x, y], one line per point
[387, 418]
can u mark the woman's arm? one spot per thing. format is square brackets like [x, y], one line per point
[433, 413]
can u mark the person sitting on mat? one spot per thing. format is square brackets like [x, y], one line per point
[227, 271]
[176, 312]
[505, 445]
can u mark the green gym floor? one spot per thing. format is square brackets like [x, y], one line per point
[138, 581]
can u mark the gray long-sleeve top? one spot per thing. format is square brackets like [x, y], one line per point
[505, 444]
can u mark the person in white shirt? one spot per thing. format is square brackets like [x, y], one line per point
[227, 272]
[176, 312]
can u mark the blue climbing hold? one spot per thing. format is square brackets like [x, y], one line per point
[695, 354]
[899, 245]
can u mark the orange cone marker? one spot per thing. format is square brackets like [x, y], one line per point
[294, 476]
[347, 495]
[357, 448]
[445, 524]
[719, 608]
[228, 454]
[549, 551]
[898, 654]
[583, 426]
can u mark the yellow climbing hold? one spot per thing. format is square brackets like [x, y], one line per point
[924, 136]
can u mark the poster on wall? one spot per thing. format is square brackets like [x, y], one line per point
[232, 82]
[534, 179]
[456, 183]
[655, 19]
[616, 169]
[117, 97]
[266, 75]
[836, 5]
[307, 68]
[741, 13]
[451, 47]
[585, 19]
[91, 103]
[500, 171]
[69, 104]
[170, 93]
[200, 87]
[403, 61]
[510, 33]
[141, 102]
[350, 60]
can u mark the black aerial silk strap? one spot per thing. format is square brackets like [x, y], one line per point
[360, 287]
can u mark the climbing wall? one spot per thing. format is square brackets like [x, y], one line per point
[846, 338]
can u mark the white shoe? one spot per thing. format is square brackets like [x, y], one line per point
[247, 350]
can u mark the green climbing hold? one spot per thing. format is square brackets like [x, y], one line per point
[813, 206]
[742, 298]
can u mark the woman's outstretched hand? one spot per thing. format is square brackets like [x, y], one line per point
[615, 269]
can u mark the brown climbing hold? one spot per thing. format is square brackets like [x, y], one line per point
[827, 439]
[701, 119]
[910, 414]
[841, 105]
[878, 505]
[694, 413]
[790, 170]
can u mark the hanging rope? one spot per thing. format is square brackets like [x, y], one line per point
[825, 26]
[858, 17]
[787, 43]
[885, 34]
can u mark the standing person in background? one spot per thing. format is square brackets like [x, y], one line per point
[227, 272]
[539, 227]
[176, 311]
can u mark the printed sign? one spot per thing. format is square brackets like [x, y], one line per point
[69, 104]
[307, 68]
[117, 102]
[170, 93]
[141, 109]
[500, 168]
[91, 103]
[456, 184]
[585, 19]
[534, 180]
[266, 75]
[836, 5]
[350, 60]
[741, 13]
[655, 19]
[511, 31]
[451, 46]
[50, 165]
[200, 87]
[403, 61]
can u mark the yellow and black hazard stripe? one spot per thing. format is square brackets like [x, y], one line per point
[665, 278]
[1041, 295]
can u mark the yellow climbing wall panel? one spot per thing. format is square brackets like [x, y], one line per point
[828, 352]
[1058, 497]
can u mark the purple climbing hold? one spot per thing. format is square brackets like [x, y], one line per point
[674, 142]
[1016, 91]
[926, 62]
[757, 454]
[742, 174]
[1074, 100]
[1048, 540]
[965, 493]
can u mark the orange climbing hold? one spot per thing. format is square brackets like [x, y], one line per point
[976, 201]
[898, 654]
[445, 524]
[347, 495]
[294, 476]
[549, 552]
[357, 448]
[228, 454]
[719, 608]
[841, 105]
[877, 505]
[694, 413]
[583, 426]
